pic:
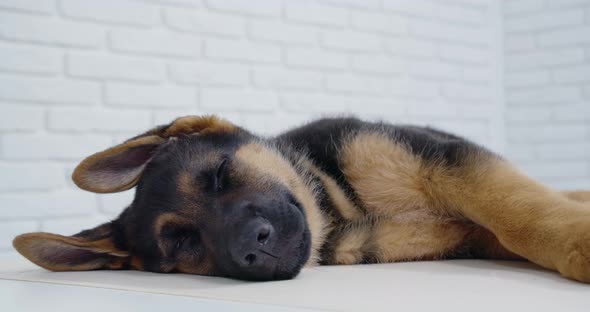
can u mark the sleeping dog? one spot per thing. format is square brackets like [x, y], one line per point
[214, 199]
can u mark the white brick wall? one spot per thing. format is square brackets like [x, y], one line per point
[79, 75]
[547, 73]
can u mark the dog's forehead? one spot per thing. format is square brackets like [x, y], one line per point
[183, 157]
[178, 175]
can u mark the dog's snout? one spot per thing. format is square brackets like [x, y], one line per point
[251, 251]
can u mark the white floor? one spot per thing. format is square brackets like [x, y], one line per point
[462, 285]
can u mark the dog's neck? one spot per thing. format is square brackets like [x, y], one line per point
[332, 208]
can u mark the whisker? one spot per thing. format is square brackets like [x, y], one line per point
[268, 253]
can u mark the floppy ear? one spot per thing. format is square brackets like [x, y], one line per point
[88, 250]
[119, 168]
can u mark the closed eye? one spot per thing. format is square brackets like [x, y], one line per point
[180, 242]
[220, 175]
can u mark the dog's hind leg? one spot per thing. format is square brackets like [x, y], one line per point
[528, 219]
[459, 180]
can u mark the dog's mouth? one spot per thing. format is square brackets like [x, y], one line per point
[300, 256]
[294, 250]
[293, 257]
[283, 267]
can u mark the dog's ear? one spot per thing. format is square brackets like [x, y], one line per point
[88, 250]
[119, 168]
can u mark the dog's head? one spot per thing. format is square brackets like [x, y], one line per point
[211, 199]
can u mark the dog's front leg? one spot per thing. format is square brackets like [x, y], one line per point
[549, 228]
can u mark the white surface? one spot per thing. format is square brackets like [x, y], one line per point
[461, 285]
[33, 296]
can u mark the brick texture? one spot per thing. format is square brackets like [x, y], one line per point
[547, 69]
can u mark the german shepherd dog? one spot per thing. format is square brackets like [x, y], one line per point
[214, 199]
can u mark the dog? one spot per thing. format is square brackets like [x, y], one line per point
[214, 199]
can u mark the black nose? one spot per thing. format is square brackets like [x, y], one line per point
[252, 249]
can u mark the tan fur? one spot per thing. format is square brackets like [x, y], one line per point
[423, 238]
[36, 247]
[185, 185]
[350, 248]
[186, 265]
[342, 203]
[396, 187]
[198, 124]
[136, 263]
[184, 262]
[188, 125]
[166, 219]
[267, 162]
[528, 219]
[385, 176]
[580, 196]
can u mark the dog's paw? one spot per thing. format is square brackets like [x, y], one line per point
[576, 262]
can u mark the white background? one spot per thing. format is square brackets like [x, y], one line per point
[77, 76]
